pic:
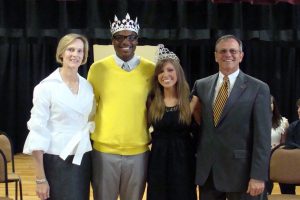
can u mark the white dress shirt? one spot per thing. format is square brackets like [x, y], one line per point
[232, 78]
[59, 122]
[132, 63]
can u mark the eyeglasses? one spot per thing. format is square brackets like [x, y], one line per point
[231, 51]
[121, 38]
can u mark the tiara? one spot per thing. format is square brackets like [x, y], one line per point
[164, 53]
[124, 24]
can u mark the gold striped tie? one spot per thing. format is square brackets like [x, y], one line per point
[221, 100]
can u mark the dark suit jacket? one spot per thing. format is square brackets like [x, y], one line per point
[238, 148]
[293, 135]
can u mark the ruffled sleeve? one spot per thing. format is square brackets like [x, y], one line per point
[284, 123]
[39, 135]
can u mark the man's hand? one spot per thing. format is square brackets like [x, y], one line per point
[255, 187]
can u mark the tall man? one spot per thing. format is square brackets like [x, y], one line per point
[234, 146]
[121, 85]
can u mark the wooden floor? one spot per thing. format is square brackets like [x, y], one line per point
[24, 168]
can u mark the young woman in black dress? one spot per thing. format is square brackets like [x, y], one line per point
[172, 159]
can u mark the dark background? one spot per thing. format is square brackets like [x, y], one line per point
[30, 30]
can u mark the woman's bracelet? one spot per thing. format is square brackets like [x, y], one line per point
[40, 181]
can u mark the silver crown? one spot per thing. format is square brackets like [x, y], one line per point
[124, 24]
[164, 53]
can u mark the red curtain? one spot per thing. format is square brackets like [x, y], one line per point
[257, 1]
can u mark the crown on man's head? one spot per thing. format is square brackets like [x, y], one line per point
[124, 24]
[164, 53]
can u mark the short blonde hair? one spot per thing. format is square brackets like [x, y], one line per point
[65, 41]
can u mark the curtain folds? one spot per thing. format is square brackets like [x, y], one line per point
[30, 30]
[258, 1]
[169, 19]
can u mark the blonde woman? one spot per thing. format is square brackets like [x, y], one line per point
[59, 126]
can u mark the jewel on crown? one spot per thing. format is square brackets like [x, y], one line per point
[124, 24]
[164, 53]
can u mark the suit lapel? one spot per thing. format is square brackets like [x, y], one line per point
[212, 84]
[237, 90]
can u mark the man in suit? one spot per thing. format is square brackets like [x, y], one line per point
[292, 142]
[293, 131]
[234, 146]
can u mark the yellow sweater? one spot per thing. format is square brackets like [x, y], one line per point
[120, 118]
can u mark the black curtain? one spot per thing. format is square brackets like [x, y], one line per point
[30, 30]
[257, 1]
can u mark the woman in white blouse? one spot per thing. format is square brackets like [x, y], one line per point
[59, 126]
[279, 127]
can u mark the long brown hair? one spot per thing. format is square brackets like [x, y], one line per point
[157, 107]
[276, 117]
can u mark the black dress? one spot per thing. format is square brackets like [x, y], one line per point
[171, 171]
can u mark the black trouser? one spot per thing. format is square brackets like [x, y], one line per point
[284, 188]
[209, 192]
[287, 188]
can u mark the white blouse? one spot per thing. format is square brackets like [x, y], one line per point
[278, 132]
[59, 122]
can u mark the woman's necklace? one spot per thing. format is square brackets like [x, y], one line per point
[73, 86]
[72, 83]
